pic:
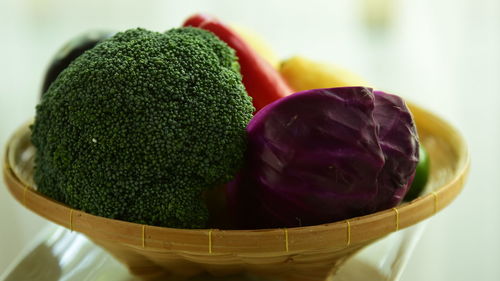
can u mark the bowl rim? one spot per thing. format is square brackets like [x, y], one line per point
[341, 234]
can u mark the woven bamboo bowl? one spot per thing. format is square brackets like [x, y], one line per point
[302, 253]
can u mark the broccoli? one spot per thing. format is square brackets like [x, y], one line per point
[139, 127]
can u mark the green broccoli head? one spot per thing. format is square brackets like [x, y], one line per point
[140, 126]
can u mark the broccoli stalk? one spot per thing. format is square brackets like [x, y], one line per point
[140, 126]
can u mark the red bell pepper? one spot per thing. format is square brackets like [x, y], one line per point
[262, 82]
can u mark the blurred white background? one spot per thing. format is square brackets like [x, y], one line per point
[443, 55]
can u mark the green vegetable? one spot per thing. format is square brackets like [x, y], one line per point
[139, 127]
[421, 176]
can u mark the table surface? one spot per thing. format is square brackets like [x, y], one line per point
[442, 55]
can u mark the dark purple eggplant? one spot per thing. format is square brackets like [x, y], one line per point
[70, 51]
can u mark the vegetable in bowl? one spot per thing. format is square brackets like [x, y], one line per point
[398, 140]
[138, 127]
[142, 126]
[69, 52]
[422, 174]
[262, 81]
[324, 155]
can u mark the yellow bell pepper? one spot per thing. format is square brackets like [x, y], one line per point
[304, 74]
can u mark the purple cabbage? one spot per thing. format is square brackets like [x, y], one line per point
[324, 155]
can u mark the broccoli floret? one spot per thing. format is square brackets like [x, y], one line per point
[140, 126]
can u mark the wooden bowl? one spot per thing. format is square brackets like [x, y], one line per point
[302, 253]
